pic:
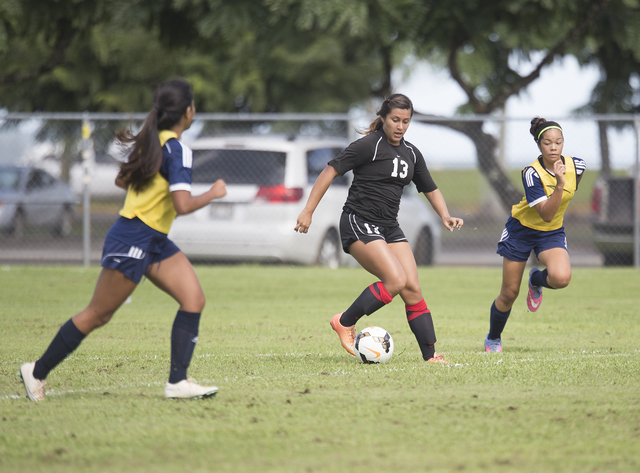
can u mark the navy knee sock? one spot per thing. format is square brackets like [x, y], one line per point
[184, 336]
[539, 278]
[66, 340]
[372, 298]
[421, 324]
[497, 322]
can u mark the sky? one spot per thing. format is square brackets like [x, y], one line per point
[562, 87]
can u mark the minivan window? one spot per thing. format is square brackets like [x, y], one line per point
[317, 160]
[9, 179]
[239, 166]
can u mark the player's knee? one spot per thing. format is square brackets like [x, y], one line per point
[195, 303]
[508, 295]
[560, 280]
[395, 284]
[412, 288]
[101, 319]
[201, 301]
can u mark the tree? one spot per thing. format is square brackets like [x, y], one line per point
[246, 55]
[477, 41]
[613, 45]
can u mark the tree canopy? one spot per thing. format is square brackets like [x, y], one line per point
[245, 55]
[308, 55]
[299, 55]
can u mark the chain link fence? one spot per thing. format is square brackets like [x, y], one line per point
[58, 198]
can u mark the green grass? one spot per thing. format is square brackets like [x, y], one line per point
[564, 396]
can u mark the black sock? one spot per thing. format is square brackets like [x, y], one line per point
[66, 340]
[498, 320]
[372, 298]
[184, 336]
[421, 324]
[539, 278]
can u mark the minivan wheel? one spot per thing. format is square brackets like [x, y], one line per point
[19, 225]
[65, 225]
[329, 252]
[424, 248]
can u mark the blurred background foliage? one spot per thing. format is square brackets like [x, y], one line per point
[302, 55]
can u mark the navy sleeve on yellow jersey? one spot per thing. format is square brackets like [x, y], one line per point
[177, 163]
[581, 166]
[533, 188]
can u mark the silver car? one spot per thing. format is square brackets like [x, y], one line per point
[268, 181]
[31, 197]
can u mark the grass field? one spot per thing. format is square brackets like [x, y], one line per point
[564, 396]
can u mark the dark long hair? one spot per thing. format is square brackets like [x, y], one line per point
[539, 125]
[144, 153]
[393, 101]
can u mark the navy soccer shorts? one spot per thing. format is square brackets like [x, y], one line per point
[132, 261]
[517, 241]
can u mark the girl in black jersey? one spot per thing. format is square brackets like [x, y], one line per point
[383, 163]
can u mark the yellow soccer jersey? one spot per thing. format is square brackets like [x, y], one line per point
[154, 205]
[539, 184]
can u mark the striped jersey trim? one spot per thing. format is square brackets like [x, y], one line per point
[412, 152]
[537, 201]
[180, 186]
[375, 151]
[529, 174]
[187, 154]
[134, 252]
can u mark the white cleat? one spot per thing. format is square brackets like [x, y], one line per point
[33, 386]
[188, 389]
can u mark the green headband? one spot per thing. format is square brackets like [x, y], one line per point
[547, 128]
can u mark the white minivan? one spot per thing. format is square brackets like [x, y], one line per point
[268, 181]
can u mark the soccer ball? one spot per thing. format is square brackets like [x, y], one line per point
[373, 345]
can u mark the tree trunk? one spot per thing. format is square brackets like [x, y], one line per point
[486, 148]
[67, 158]
[605, 169]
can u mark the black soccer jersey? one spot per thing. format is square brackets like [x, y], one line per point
[381, 171]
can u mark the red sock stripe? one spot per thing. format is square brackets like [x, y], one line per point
[380, 292]
[416, 310]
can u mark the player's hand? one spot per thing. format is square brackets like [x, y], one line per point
[218, 189]
[559, 169]
[304, 222]
[452, 222]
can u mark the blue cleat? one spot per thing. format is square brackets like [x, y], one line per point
[492, 346]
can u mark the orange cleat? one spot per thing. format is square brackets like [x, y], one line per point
[437, 358]
[347, 334]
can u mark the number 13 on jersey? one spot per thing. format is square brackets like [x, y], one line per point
[400, 163]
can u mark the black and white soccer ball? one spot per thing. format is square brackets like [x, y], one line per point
[373, 345]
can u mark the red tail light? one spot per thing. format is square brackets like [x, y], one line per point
[279, 193]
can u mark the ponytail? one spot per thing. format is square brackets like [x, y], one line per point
[144, 153]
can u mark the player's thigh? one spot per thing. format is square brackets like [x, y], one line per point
[112, 289]
[176, 277]
[412, 292]
[378, 259]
